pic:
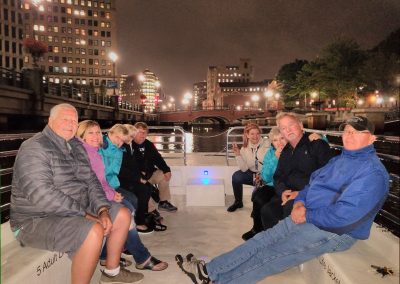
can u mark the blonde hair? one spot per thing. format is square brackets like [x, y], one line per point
[246, 131]
[118, 129]
[131, 129]
[84, 125]
[273, 133]
[292, 115]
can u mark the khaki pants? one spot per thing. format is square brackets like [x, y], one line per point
[163, 186]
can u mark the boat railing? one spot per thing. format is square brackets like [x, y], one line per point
[169, 139]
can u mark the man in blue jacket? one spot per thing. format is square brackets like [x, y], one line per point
[330, 214]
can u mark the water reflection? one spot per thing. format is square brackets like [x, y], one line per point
[198, 139]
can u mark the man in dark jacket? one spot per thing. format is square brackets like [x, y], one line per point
[299, 158]
[154, 166]
[58, 204]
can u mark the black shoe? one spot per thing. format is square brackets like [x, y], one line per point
[248, 235]
[147, 231]
[234, 206]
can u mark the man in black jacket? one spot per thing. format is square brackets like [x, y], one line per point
[299, 158]
[154, 166]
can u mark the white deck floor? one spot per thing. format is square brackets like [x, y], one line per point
[205, 232]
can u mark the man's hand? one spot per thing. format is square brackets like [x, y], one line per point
[293, 195]
[92, 218]
[167, 176]
[105, 221]
[285, 196]
[298, 213]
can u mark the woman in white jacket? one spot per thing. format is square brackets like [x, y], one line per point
[249, 159]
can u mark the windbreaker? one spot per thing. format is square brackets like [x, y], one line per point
[344, 196]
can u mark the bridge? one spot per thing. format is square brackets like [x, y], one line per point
[25, 99]
[220, 115]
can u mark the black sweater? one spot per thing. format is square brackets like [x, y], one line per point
[295, 165]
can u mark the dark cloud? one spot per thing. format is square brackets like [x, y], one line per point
[179, 39]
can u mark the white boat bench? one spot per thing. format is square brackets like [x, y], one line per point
[354, 265]
[35, 266]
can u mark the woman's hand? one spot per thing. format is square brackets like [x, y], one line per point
[236, 149]
[118, 197]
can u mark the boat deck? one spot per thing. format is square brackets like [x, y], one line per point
[205, 232]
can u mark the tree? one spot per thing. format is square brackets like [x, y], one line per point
[339, 71]
[287, 78]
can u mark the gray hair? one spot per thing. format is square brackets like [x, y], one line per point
[55, 109]
[273, 133]
[292, 115]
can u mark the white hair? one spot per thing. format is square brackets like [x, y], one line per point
[55, 109]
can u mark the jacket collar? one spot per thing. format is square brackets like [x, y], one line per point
[363, 152]
[60, 142]
[303, 140]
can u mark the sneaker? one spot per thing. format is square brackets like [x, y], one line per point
[124, 276]
[234, 206]
[193, 268]
[166, 206]
[146, 231]
[248, 235]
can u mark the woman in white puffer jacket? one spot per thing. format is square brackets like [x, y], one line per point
[249, 159]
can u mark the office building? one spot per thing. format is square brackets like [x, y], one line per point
[226, 74]
[80, 34]
[11, 35]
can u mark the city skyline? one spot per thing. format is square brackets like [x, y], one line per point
[179, 39]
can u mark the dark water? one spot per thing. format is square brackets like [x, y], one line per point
[206, 139]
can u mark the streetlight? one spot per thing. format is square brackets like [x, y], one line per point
[267, 95]
[255, 99]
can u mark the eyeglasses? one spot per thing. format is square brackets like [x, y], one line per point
[352, 132]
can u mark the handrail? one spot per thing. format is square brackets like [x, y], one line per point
[174, 129]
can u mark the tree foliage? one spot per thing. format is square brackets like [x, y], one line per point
[341, 70]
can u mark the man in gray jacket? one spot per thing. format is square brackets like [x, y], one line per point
[58, 204]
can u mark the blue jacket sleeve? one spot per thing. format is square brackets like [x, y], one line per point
[269, 166]
[360, 197]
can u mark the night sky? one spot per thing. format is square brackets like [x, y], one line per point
[179, 39]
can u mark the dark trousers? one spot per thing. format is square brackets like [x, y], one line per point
[260, 197]
[142, 192]
[238, 179]
[273, 211]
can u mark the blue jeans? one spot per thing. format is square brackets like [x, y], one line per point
[238, 179]
[135, 246]
[133, 242]
[275, 250]
[128, 197]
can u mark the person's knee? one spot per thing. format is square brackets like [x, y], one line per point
[96, 233]
[237, 177]
[124, 215]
